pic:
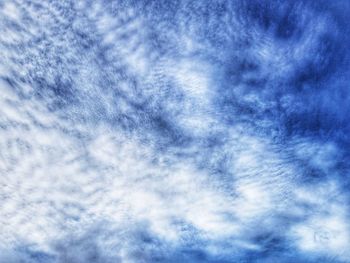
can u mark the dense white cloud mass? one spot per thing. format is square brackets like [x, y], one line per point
[174, 131]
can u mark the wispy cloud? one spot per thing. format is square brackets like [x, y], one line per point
[174, 131]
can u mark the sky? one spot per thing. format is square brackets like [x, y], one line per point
[174, 131]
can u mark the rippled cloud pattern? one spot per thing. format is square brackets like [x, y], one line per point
[174, 131]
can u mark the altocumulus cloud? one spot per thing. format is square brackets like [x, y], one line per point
[174, 131]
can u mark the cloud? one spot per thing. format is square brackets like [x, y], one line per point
[173, 132]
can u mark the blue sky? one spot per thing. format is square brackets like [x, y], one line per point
[174, 131]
